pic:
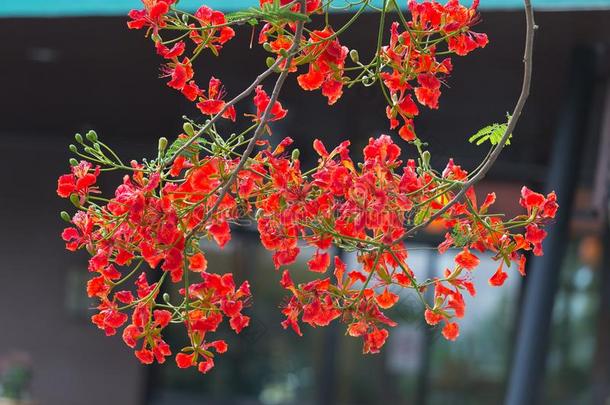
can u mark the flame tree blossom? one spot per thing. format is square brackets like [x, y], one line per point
[147, 232]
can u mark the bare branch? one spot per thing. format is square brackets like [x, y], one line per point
[512, 123]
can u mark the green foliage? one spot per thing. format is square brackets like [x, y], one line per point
[179, 143]
[492, 133]
[460, 239]
[420, 216]
[274, 13]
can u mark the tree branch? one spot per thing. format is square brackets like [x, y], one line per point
[298, 35]
[512, 123]
[259, 79]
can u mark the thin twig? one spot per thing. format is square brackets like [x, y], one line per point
[512, 123]
[259, 79]
[298, 35]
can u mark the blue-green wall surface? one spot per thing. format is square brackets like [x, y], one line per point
[56, 8]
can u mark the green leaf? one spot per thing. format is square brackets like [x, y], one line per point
[179, 143]
[421, 216]
[492, 133]
[459, 238]
[273, 13]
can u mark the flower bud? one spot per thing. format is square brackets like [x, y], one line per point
[73, 148]
[78, 138]
[295, 154]
[162, 144]
[65, 216]
[354, 56]
[269, 61]
[426, 158]
[188, 129]
[166, 297]
[74, 200]
[73, 162]
[92, 136]
[267, 47]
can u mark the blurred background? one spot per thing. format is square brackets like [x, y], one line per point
[70, 66]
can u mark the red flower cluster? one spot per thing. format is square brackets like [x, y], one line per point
[140, 225]
[327, 63]
[150, 230]
[411, 57]
[80, 182]
[160, 223]
[210, 30]
[341, 204]
[153, 15]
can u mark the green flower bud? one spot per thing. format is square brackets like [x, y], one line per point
[426, 158]
[188, 129]
[267, 47]
[65, 216]
[269, 61]
[75, 200]
[78, 138]
[166, 297]
[73, 162]
[162, 144]
[354, 56]
[73, 148]
[92, 136]
[295, 154]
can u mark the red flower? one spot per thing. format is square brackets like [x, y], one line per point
[176, 50]
[535, 235]
[326, 68]
[499, 277]
[530, 199]
[213, 38]
[374, 341]
[221, 232]
[261, 101]
[213, 103]
[80, 236]
[387, 299]
[319, 262]
[80, 181]
[184, 360]
[239, 322]
[153, 15]
[432, 318]
[198, 263]
[451, 331]
[145, 356]
[467, 42]
[180, 74]
[467, 260]
[429, 91]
